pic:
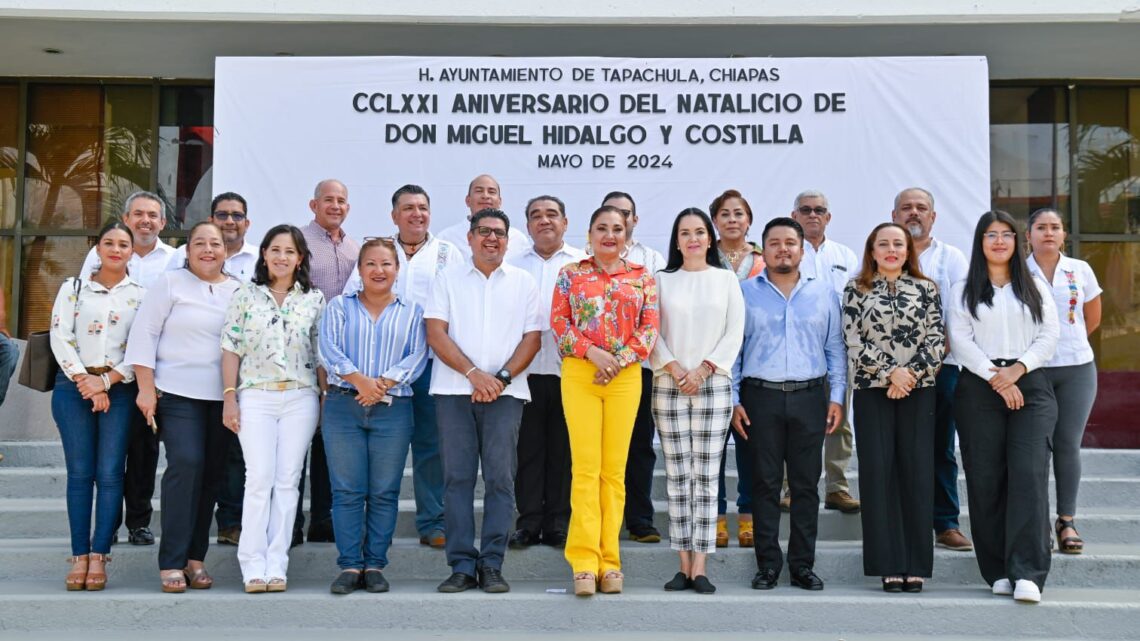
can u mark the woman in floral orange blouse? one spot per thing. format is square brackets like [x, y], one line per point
[604, 317]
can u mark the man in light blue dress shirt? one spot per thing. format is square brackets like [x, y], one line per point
[789, 383]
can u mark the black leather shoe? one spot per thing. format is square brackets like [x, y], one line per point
[346, 582]
[458, 582]
[556, 539]
[492, 582]
[374, 580]
[321, 533]
[678, 582]
[806, 579]
[702, 585]
[765, 580]
[298, 538]
[522, 539]
[141, 536]
[644, 534]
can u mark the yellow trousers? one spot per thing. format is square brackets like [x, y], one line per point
[600, 421]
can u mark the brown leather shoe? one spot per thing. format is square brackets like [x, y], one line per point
[953, 539]
[436, 539]
[841, 501]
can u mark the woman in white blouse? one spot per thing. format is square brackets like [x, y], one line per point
[173, 347]
[92, 399]
[1071, 372]
[1003, 329]
[702, 328]
[269, 353]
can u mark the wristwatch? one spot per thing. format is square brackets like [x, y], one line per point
[504, 375]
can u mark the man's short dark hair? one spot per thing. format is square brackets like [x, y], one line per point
[410, 189]
[622, 194]
[489, 213]
[782, 221]
[228, 195]
[553, 199]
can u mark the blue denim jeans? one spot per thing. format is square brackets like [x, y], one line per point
[743, 478]
[946, 506]
[427, 467]
[366, 448]
[95, 452]
[8, 356]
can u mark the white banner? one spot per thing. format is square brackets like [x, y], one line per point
[674, 133]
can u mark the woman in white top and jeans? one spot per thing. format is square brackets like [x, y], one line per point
[174, 348]
[692, 387]
[1003, 329]
[93, 399]
[1072, 372]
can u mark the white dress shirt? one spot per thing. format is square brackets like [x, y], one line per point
[144, 270]
[544, 271]
[946, 265]
[1004, 330]
[832, 263]
[415, 278]
[702, 318]
[178, 333]
[1074, 284]
[517, 242]
[486, 317]
[89, 327]
[240, 265]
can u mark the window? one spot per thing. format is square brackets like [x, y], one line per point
[186, 153]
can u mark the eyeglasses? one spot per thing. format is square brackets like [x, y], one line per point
[807, 211]
[235, 216]
[487, 231]
[1004, 235]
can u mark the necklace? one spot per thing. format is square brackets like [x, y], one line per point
[414, 246]
[733, 256]
[276, 291]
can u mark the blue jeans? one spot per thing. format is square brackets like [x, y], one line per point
[366, 449]
[8, 356]
[95, 452]
[743, 478]
[946, 504]
[427, 467]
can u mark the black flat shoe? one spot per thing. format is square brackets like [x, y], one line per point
[765, 580]
[492, 581]
[892, 584]
[702, 585]
[554, 539]
[346, 582]
[457, 582]
[678, 582]
[806, 579]
[522, 539]
[374, 580]
[141, 536]
[912, 584]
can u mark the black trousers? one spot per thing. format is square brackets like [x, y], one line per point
[896, 480]
[542, 483]
[232, 491]
[197, 446]
[142, 466]
[1006, 455]
[639, 465]
[320, 487]
[787, 428]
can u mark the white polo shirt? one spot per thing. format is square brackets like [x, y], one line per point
[486, 317]
[517, 242]
[544, 271]
[240, 265]
[832, 263]
[947, 266]
[144, 270]
[1074, 284]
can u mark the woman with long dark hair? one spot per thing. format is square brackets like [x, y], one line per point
[702, 328]
[1072, 371]
[271, 378]
[895, 343]
[1003, 329]
[92, 402]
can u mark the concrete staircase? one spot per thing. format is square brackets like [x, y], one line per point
[1094, 595]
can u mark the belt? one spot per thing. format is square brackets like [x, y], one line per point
[278, 386]
[98, 371]
[786, 386]
[347, 391]
[1004, 362]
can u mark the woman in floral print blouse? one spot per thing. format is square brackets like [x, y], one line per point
[604, 318]
[895, 343]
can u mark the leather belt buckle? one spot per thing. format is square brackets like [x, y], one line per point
[789, 386]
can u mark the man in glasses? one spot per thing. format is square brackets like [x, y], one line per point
[229, 212]
[834, 264]
[145, 214]
[484, 323]
[483, 192]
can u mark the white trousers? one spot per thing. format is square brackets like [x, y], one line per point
[276, 429]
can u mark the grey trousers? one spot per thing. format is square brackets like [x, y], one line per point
[469, 434]
[1075, 389]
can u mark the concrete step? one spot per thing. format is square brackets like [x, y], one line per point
[530, 606]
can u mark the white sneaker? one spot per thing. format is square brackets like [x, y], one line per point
[1026, 591]
[1002, 587]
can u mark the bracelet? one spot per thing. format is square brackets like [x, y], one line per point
[468, 372]
[228, 390]
[106, 381]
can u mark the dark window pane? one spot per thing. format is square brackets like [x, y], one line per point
[9, 155]
[1029, 149]
[1108, 162]
[8, 312]
[47, 262]
[186, 153]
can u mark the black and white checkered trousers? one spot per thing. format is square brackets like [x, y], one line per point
[693, 429]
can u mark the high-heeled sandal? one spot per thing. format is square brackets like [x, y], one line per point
[77, 577]
[893, 583]
[913, 584]
[276, 584]
[1069, 544]
[611, 582]
[585, 583]
[198, 579]
[173, 581]
[97, 572]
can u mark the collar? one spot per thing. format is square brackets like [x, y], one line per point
[160, 247]
[325, 233]
[564, 250]
[247, 248]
